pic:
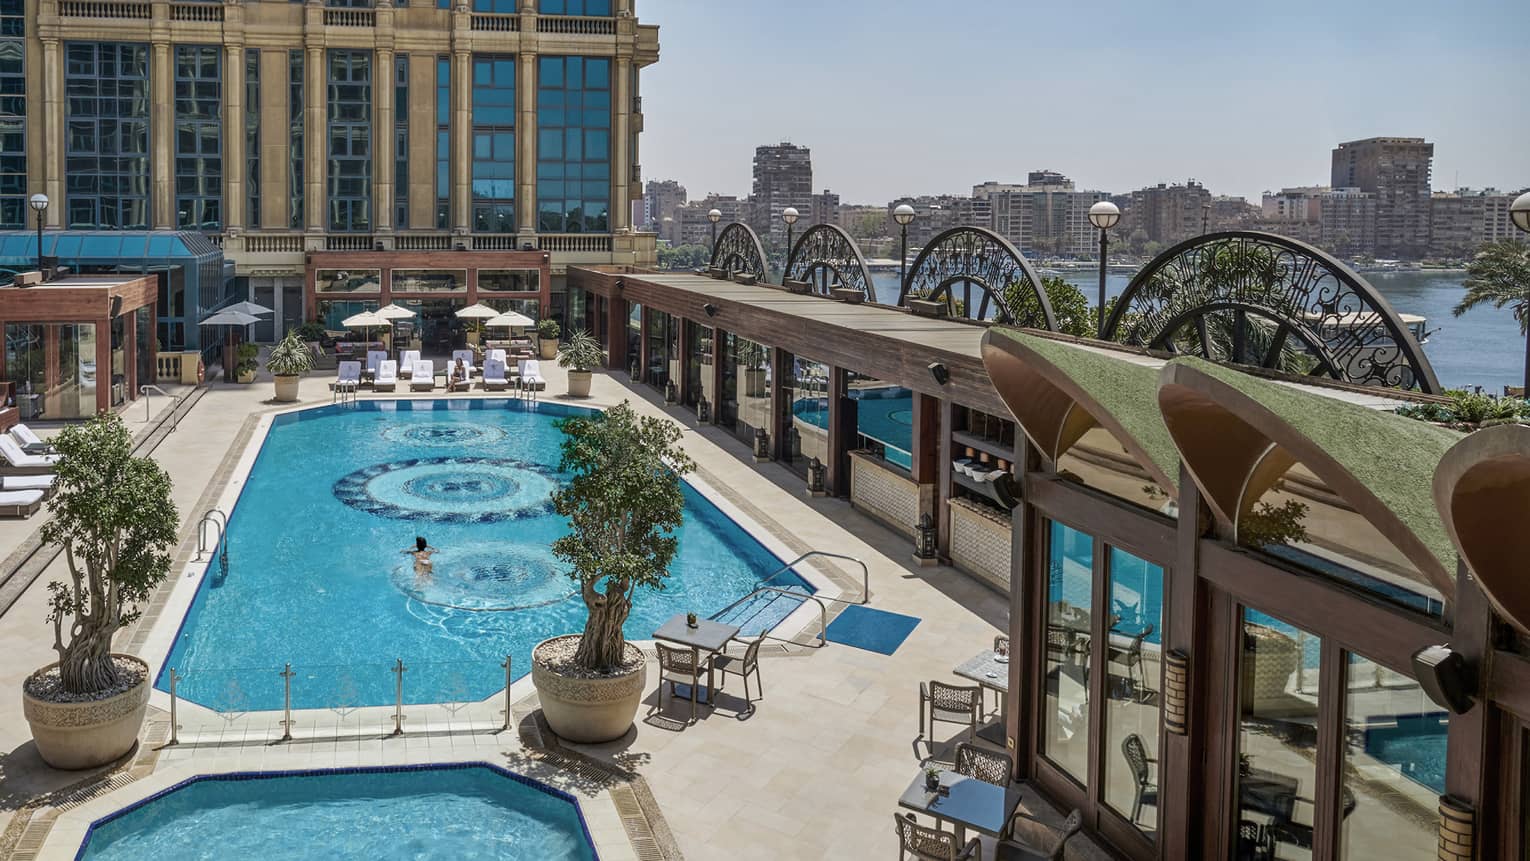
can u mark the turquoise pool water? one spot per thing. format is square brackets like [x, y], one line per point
[451, 812]
[884, 414]
[317, 576]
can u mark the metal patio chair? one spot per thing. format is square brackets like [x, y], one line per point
[989, 766]
[959, 704]
[932, 844]
[1015, 850]
[1139, 762]
[741, 666]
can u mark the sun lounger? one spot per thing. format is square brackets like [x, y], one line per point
[348, 376]
[18, 462]
[31, 443]
[467, 361]
[494, 375]
[493, 354]
[375, 358]
[44, 482]
[424, 377]
[387, 376]
[531, 375]
[406, 363]
[20, 503]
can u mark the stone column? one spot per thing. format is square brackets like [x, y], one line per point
[162, 137]
[51, 164]
[462, 141]
[526, 146]
[234, 204]
[422, 142]
[275, 139]
[315, 139]
[382, 140]
[621, 150]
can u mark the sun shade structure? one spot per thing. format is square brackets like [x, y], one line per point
[394, 311]
[249, 308]
[228, 317]
[479, 311]
[1239, 434]
[509, 320]
[1059, 391]
[1482, 491]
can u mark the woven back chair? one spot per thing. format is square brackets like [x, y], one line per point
[1138, 761]
[932, 844]
[960, 704]
[989, 766]
[677, 665]
[744, 667]
[1055, 843]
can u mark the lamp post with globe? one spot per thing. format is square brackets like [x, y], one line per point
[790, 216]
[1519, 213]
[714, 216]
[904, 215]
[39, 204]
[1103, 215]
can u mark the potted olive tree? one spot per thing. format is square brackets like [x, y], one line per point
[289, 361]
[580, 354]
[113, 517]
[624, 504]
[547, 337]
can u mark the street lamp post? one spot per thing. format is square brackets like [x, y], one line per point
[39, 204]
[904, 215]
[1205, 217]
[1104, 216]
[790, 216]
[1519, 213]
[714, 216]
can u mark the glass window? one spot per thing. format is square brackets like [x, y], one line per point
[575, 7]
[198, 137]
[1394, 766]
[401, 142]
[252, 136]
[1099, 461]
[428, 281]
[700, 382]
[295, 135]
[443, 141]
[348, 281]
[1070, 578]
[807, 436]
[573, 157]
[350, 141]
[657, 373]
[1133, 658]
[884, 419]
[494, 144]
[13, 117]
[747, 403]
[510, 280]
[332, 313]
[107, 137]
[1277, 738]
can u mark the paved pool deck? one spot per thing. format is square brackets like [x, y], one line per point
[814, 771]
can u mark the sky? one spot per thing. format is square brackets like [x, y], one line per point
[898, 97]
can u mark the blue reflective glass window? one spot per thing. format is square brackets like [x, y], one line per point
[443, 140]
[573, 144]
[349, 105]
[493, 168]
[198, 137]
[107, 135]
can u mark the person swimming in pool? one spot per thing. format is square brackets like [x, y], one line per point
[422, 565]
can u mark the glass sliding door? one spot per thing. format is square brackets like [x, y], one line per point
[1132, 688]
[1069, 608]
[1277, 739]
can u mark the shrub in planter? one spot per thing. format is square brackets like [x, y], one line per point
[113, 516]
[624, 504]
[290, 359]
[245, 368]
[547, 334]
[580, 355]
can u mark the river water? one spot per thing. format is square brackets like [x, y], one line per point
[1482, 348]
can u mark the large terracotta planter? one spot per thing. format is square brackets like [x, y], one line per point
[74, 736]
[287, 388]
[588, 711]
[549, 348]
[578, 384]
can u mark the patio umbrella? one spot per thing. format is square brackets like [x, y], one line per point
[231, 318]
[250, 308]
[393, 312]
[510, 320]
[367, 321]
[478, 312]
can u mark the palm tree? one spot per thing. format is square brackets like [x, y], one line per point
[1500, 274]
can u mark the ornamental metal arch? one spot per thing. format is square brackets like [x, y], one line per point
[827, 249]
[966, 256]
[738, 250]
[1252, 298]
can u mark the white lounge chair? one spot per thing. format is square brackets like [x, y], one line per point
[348, 375]
[531, 375]
[375, 358]
[423, 379]
[387, 376]
[406, 363]
[493, 354]
[31, 443]
[44, 482]
[467, 360]
[18, 462]
[20, 503]
[494, 375]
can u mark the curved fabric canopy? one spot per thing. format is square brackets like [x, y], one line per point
[1238, 435]
[1482, 491]
[1058, 391]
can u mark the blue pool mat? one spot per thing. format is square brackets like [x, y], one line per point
[873, 630]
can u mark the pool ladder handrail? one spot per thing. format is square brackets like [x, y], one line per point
[823, 609]
[219, 519]
[143, 392]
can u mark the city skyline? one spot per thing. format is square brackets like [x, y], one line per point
[1298, 58]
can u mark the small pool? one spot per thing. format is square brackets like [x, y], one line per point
[447, 812]
[317, 576]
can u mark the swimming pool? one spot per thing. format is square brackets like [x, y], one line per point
[448, 812]
[884, 414]
[317, 575]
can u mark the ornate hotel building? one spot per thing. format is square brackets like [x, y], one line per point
[287, 132]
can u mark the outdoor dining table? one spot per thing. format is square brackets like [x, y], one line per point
[708, 636]
[989, 672]
[967, 803]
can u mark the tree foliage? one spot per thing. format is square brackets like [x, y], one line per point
[1500, 276]
[1075, 316]
[684, 257]
[624, 504]
[581, 352]
[290, 357]
[113, 516]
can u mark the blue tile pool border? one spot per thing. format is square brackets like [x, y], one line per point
[533, 783]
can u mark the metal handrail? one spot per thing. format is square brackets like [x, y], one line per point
[823, 612]
[823, 609]
[865, 574]
[217, 518]
[143, 391]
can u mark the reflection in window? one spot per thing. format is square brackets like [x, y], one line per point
[332, 313]
[573, 144]
[634, 339]
[884, 419]
[700, 382]
[13, 116]
[54, 369]
[746, 404]
[657, 374]
[807, 437]
[494, 144]
[198, 137]
[575, 7]
[295, 128]
[348, 281]
[1070, 574]
[106, 167]
[252, 137]
[1394, 766]
[428, 281]
[443, 141]
[510, 280]
[1132, 691]
[1099, 461]
[401, 141]
[350, 140]
[1277, 739]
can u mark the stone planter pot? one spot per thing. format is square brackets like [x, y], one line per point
[588, 711]
[549, 348]
[578, 384]
[287, 389]
[246, 377]
[75, 736]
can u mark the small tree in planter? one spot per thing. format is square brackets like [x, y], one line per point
[580, 354]
[624, 504]
[113, 517]
[289, 360]
[547, 334]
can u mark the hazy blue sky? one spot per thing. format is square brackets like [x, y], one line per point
[904, 97]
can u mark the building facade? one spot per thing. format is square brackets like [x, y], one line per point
[783, 177]
[825, 208]
[1461, 221]
[660, 200]
[1397, 171]
[1046, 216]
[1168, 213]
[693, 227]
[280, 129]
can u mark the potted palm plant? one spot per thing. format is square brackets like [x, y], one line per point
[289, 361]
[581, 353]
[113, 516]
[547, 337]
[624, 504]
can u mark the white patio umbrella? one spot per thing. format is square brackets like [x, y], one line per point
[367, 321]
[394, 312]
[250, 308]
[478, 312]
[510, 320]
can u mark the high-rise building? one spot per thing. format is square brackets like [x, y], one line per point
[1461, 221]
[783, 177]
[825, 208]
[933, 215]
[660, 200]
[693, 227]
[1168, 213]
[1045, 216]
[1397, 171]
[286, 133]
